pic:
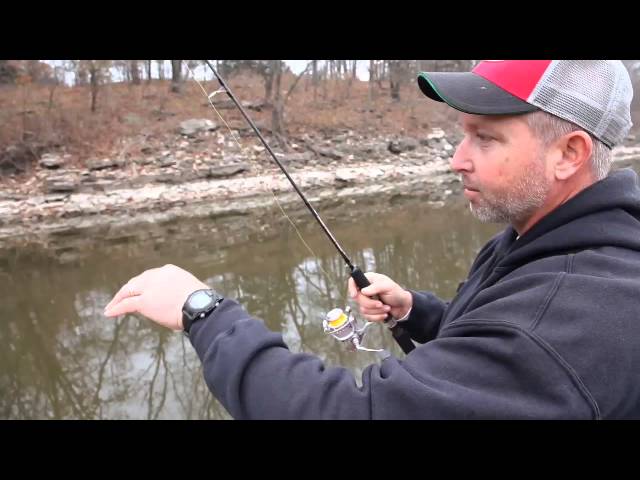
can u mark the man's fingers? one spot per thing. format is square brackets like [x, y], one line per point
[369, 303]
[351, 286]
[375, 289]
[127, 305]
[375, 311]
[375, 318]
[129, 289]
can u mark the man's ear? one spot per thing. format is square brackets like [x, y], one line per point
[575, 150]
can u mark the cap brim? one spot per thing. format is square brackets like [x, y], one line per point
[470, 93]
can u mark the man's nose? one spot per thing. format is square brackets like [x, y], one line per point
[461, 161]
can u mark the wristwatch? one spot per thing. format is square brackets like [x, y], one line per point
[199, 304]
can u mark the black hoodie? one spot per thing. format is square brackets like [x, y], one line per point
[547, 326]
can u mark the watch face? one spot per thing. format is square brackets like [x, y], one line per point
[200, 300]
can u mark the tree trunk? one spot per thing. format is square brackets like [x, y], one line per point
[135, 72]
[372, 78]
[93, 77]
[351, 78]
[325, 79]
[160, 69]
[268, 81]
[148, 71]
[396, 78]
[277, 114]
[314, 80]
[176, 76]
[81, 76]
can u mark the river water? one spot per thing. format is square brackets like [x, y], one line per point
[61, 358]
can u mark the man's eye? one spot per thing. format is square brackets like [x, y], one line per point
[483, 137]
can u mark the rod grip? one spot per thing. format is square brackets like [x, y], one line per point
[399, 333]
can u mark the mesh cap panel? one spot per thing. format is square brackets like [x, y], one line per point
[594, 94]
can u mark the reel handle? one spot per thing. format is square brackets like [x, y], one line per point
[399, 333]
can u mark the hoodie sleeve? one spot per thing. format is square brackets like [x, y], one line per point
[476, 370]
[425, 317]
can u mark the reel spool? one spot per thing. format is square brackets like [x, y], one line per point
[342, 326]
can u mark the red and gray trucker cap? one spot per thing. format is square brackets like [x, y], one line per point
[593, 94]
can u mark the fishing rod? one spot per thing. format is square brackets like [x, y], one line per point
[399, 333]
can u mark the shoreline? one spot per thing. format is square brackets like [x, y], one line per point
[333, 188]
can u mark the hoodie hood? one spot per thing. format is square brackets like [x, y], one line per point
[606, 213]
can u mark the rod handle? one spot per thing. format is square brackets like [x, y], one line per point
[399, 333]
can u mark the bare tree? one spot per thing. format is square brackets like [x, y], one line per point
[135, 72]
[278, 105]
[8, 72]
[372, 78]
[295, 82]
[314, 79]
[352, 77]
[325, 78]
[94, 71]
[268, 74]
[94, 78]
[80, 70]
[160, 69]
[397, 76]
[176, 76]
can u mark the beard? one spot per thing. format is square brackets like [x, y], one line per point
[516, 202]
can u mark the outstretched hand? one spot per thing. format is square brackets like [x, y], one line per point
[158, 294]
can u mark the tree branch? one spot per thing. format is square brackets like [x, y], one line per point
[286, 97]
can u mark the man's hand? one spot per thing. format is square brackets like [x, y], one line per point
[158, 294]
[393, 298]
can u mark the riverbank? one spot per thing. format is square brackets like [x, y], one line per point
[207, 175]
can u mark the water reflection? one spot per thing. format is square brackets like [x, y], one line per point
[62, 359]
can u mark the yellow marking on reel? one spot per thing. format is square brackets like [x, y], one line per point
[336, 318]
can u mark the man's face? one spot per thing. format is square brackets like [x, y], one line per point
[502, 168]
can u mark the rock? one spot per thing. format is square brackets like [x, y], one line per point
[51, 161]
[222, 104]
[56, 197]
[227, 171]
[167, 178]
[230, 159]
[62, 183]
[370, 148]
[329, 153]
[143, 161]
[193, 126]
[402, 145]
[166, 162]
[102, 163]
[100, 186]
[16, 159]
[256, 105]
[436, 134]
[290, 158]
[344, 178]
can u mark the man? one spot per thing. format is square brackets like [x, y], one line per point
[545, 326]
